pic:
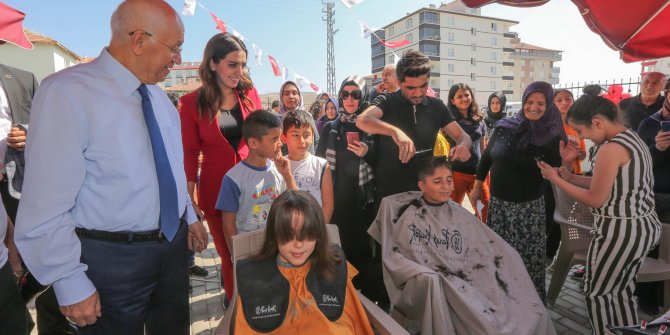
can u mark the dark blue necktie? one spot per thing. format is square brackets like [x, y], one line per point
[167, 188]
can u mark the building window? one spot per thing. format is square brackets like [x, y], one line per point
[531, 75]
[523, 74]
[494, 26]
[494, 70]
[451, 21]
[450, 52]
[542, 64]
[509, 85]
[473, 47]
[493, 84]
[391, 33]
[526, 62]
[494, 41]
[450, 67]
[408, 23]
[494, 56]
[473, 76]
[392, 59]
[450, 36]
[473, 61]
[410, 38]
[473, 31]
[450, 82]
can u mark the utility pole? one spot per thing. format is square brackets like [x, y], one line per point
[329, 18]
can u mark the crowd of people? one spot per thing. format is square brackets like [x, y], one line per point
[115, 184]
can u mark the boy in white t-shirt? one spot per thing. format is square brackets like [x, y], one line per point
[248, 189]
[311, 173]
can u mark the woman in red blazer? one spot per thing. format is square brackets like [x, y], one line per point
[211, 124]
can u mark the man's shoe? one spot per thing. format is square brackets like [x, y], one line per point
[198, 271]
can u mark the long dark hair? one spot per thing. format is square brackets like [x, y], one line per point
[211, 97]
[473, 110]
[300, 206]
[588, 106]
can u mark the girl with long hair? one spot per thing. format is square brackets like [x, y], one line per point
[298, 283]
[626, 226]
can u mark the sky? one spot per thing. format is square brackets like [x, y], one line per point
[292, 31]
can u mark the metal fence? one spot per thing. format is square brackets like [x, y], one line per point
[630, 86]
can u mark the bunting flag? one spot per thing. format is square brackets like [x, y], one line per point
[189, 8]
[314, 87]
[301, 81]
[220, 25]
[275, 66]
[284, 73]
[394, 44]
[366, 30]
[350, 3]
[237, 34]
[258, 52]
[11, 27]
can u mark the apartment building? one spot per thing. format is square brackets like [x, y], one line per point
[532, 63]
[463, 46]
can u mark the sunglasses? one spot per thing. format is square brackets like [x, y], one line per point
[354, 94]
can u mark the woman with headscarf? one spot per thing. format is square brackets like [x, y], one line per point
[211, 121]
[343, 145]
[290, 99]
[495, 111]
[516, 210]
[331, 114]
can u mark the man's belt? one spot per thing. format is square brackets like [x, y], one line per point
[147, 236]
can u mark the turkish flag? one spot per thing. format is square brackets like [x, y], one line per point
[11, 27]
[220, 25]
[275, 66]
[394, 44]
[314, 87]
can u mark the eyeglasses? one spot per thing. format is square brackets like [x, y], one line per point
[356, 95]
[173, 50]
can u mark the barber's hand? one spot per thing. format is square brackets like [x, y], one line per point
[359, 148]
[85, 312]
[406, 147]
[197, 237]
[16, 138]
[459, 153]
[662, 140]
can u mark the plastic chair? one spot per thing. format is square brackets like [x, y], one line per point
[248, 244]
[576, 221]
[659, 269]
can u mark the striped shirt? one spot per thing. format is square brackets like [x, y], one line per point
[632, 194]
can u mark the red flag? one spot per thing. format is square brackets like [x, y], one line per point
[394, 44]
[11, 27]
[314, 87]
[275, 66]
[220, 25]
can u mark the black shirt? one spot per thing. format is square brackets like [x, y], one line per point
[648, 130]
[475, 130]
[633, 111]
[515, 176]
[421, 123]
[230, 123]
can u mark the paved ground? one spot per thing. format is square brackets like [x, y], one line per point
[568, 313]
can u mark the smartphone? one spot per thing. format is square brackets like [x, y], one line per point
[353, 137]
[665, 126]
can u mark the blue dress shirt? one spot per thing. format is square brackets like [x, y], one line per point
[89, 164]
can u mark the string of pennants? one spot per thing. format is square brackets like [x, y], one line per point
[283, 71]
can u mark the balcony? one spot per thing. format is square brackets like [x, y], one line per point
[556, 70]
[538, 54]
[429, 37]
[508, 50]
[507, 77]
[510, 35]
[508, 63]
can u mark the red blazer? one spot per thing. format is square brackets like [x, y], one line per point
[218, 156]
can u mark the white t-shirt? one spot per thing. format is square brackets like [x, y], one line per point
[308, 174]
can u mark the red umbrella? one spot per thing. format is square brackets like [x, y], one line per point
[638, 29]
[11, 27]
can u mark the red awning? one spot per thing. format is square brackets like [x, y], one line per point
[11, 27]
[640, 29]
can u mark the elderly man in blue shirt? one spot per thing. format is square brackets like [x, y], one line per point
[105, 215]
